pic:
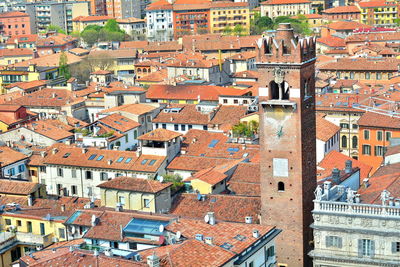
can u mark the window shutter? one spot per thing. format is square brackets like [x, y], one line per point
[393, 247]
[360, 252]
[339, 242]
[327, 241]
[372, 248]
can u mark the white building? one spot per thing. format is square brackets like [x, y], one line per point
[13, 164]
[74, 171]
[276, 8]
[159, 17]
[357, 229]
[328, 135]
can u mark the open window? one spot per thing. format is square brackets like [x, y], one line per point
[279, 91]
[281, 186]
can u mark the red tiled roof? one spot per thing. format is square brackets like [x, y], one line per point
[17, 187]
[137, 109]
[378, 183]
[27, 85]
[92, 18]
[101, 72]
[13, 14]
[133, 44]
[373, 37]
[363, 64]
[119, 122]
[346, 25]
[325, 129]
[55, 131]
[245, 180]
[284, 2]
[335, 159]
[9, 156]
[371, 4]
[16, 52]
[191, 92]
[193, 164]
[375, 120]
[341, 9]
[226, 207]
[22, 38]
[135, 184]
[160, 134]
[160, 5]
[332, 41]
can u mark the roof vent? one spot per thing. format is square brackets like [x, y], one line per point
[153, 260]
[209, 240]
[109, 162]
[54, 151]
[84, 150]
[199, 237]
[211, 218]
[256, 233]
[248, 219]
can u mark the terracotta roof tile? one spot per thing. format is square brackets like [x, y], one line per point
[52, 60]
[363, 64]
[13, 14]
[325, 129]
[47, 98]
[22, 38]
[187, 163]
[378, 183]
[160, 134]
[346, 25]
[9, 156]
[16, 52]
[372, 119]
[92, 18]
[137, 109]
[56, 130]
[119, 122]
[284, 2]
[245, 180]
[27, 85]
[226, 207]
[135, 184]
[17, 187]
[341, 9]
[332, 41]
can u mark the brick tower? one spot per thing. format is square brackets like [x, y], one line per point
[288, 156]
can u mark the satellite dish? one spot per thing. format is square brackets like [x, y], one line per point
[178, 235]
[161, 228]
[206, 218]
[161, 179]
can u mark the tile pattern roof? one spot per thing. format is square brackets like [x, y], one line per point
[325, 129]
[332, 41]
[285, 2]
[229, 208]
[341, 9]
[160, 134]
[119, 122]
[17, 187]
[346, 25]
[111, 159]
[52, 60]
[335, 159]
[362, 64]
[191, 92]
[375, 120]
[137, 109]
[245, 180]
[53, 129]
[9, 156]
[378, 183]
[135, 184]
[27, 85]
[193, 164]
[16, 52]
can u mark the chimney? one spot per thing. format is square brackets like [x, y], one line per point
[349, 166]
[211, 217]
[84, 150]
[54, 151]
[248, 219]
[365, 182]
[30, 201]
[256, 234]
[109, 162]
[209, 240]
[336, 175]
[327, 187]
[43, 154]
[53, 95]
[153, 260]
[94, 220]
[63, 207]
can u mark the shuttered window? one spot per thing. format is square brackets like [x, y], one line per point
[366, 248]
[395, 247]
[333, 241]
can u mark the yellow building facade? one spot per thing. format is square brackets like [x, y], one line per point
[227, 15]
[379, 13]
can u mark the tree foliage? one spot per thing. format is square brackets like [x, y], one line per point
[109, 32]
[97, 61]
[63, 69]
[245, 129]
[55, 28]
[262, 23]
[175, 179]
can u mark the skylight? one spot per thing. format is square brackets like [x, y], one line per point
[233, 149]
[100, 157]
[227, 246]
[128, 160]
[117, 122]
[144, 161]
[66, 155]
[120, 159]
[92, 156]
[213, 143]
[152, 162]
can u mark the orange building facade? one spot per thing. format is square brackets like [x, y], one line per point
[15, 23]
[375, 132]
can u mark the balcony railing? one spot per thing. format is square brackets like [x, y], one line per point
[356, 208]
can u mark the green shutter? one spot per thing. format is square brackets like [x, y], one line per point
[360, 252]
[372, 248]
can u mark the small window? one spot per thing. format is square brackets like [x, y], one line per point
[388, 136]
[21, 168]
[19, 223]
[66, 155]
[133, 246]
[103, 176]
[395, 247]
[379, 135]
[281, 186]
[355, 142]
[176, 127]
[344, 141]
[100, 157]
[225, 101]
[366, 248]
[120, 159]
[366, 150]
[121, 199]
[8, 221]
[92, 156]
[333, 241]
[74, 190]
[152, 162]
[144, 161]
[379, 151]
[183, 127]
[366, 134]
[89, 175]
[60, 172]
[128, 160]
[146, 203]
[73, 173]
[61, 233]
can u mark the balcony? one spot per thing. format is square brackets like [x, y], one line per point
[32, 239]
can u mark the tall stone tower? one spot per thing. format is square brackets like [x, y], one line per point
[288, 156]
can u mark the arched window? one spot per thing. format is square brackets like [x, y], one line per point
[344, 141]
[355, 142]
[281, 186]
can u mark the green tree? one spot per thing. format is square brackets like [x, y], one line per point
[90, 36]
[63, 69]
[245, 129]
[227, 30]
[176, 181]
[238, 29]
[55, 28]
[112, 26]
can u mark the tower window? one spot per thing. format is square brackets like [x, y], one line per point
[281, 186]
